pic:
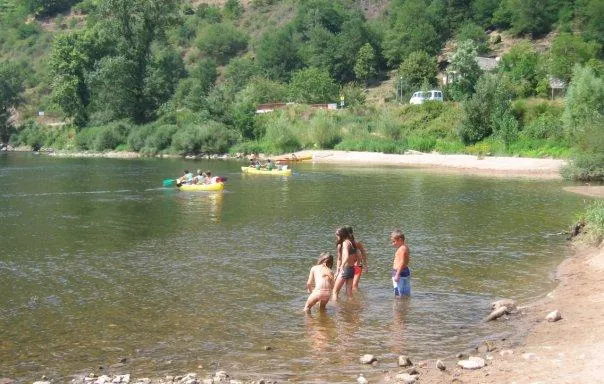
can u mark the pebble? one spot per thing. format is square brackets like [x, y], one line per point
[553, 316]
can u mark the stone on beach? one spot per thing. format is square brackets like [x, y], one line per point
[404, 361]
[497, 313]
[509, 303]
[367, 359]
[553, 316]
[473, 362]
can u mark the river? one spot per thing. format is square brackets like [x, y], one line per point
[101, 264]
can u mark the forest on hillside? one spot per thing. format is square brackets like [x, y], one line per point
[185, 77]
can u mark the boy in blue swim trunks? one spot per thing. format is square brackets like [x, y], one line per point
[401, 275]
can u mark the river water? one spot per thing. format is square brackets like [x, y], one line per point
[100, 264]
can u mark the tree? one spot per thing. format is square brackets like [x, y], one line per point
[487, 112]
[417, 70]
[48, 7]
[411, 29]
[471, 31]
[277, 53]
[313, 85]
[532, 17]
[466, 70]
[221, 42]
[583, 119]
[522, 65]
[233, 9]
[365, 67]
[121, 79]
[11, 86]
[72, 58]
[566, 51]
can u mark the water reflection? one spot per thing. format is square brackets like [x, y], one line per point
[400, 308]
[321, 332]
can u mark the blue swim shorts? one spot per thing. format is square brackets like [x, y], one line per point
[402, 287]
[347, 273]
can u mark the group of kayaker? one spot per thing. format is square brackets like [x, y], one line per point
[351, 263]
[200, 178]
[268, 165]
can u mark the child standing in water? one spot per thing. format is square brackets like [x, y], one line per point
[320, 282]
[401, 275]
[347, 258]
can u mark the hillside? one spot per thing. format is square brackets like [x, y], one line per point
[185, 77]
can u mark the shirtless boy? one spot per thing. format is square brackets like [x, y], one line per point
[401, 274]
[320, 282]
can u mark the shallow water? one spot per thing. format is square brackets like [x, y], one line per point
[100, 262]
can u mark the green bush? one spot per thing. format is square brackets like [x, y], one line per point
[208, 137]
[421, 143]
[585, 167]
[325, 131]
[104, 137]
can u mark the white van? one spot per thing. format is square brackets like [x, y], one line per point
[420, 96]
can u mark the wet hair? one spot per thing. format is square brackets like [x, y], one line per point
[350, 234]
[326, 258]
[397, 234]
[343, 233]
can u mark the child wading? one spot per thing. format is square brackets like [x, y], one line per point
[320, 282]
[401, 274]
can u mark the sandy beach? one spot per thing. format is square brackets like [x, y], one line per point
[468, 164]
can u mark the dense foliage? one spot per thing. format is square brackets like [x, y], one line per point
[184, 78]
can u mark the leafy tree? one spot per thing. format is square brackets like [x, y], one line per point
[417, 70]
[313, 85]
[566, 51]
[277, 53]
[48, 7]
[411, 29]
[221, 42]
[240, 70]
[471, 31]
[120, 82]
[589, 14]
[466, 70]
[583, 119]
[487, 112]
[365, 67]
[482, 11]
[532, 17]
[11, 86]
[584, 108]
[72, 58]
[522, 65]
[259, 90]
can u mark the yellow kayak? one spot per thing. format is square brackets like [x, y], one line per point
[202, 187]
[263, 171]
[293, 158]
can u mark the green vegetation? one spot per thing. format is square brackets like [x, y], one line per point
[183, 78]
[592, 221]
